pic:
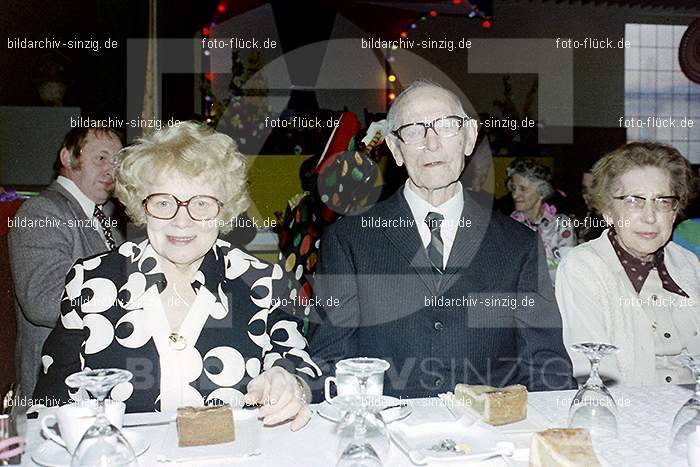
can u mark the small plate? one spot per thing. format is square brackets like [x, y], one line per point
[248, 430]
[417, 441]
[51, 454]
[332, 413]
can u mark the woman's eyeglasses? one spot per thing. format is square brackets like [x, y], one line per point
[166, 206]
[637, 203]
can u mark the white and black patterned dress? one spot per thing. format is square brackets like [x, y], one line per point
[112, 316]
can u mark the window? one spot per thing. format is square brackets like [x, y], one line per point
[656, 88]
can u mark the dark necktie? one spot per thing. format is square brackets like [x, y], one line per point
[109, 238]
[435, 248]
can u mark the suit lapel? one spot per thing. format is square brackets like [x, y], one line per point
[467, 241]
[406, 239]
[92, 237]
[74, 204]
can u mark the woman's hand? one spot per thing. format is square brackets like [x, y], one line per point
[283, 397]
[11, 447]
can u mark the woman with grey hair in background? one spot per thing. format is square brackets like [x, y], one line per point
[529, 182]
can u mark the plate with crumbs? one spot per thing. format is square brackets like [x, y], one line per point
[460, 440]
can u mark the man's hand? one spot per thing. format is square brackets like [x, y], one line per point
[282, 397]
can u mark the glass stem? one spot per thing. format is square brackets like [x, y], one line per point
[360, 428]
[696, 373]
[363, 385]
[101, 419]
[594, 378]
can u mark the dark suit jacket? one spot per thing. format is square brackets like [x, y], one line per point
[378, 297]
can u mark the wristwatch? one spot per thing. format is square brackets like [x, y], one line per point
[305, 390]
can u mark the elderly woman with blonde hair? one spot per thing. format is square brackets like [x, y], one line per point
[196, 321]
[632, 287]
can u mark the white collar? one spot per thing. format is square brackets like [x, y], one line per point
[86, 203]
[450, 209]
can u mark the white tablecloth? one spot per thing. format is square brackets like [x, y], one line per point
[645, 420]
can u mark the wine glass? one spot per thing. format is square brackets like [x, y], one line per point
[593, 407]
[19, 414]
[363, 438]
[102, 444]
[688, 416]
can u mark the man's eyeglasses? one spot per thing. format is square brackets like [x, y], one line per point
[637, 203]
[165, 206]
[103, 158]
[444, 127]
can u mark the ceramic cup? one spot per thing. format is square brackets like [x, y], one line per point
[74, 419]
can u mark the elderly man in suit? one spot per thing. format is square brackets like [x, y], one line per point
[444, 289]
[67, 221]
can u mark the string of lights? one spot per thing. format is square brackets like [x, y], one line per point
[392, 83]
[208, 77]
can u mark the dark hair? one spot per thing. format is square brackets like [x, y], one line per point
[75, 140]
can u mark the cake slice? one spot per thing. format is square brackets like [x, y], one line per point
[562, 447]
[198, 426]
[497, 406]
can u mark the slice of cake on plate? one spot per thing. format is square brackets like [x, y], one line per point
[562, 447]
[198, 426]
[497, 406]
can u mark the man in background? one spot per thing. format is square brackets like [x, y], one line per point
[67, 221]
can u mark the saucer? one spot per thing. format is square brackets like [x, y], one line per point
[51, 454]
[421, 443]
[334, 414]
